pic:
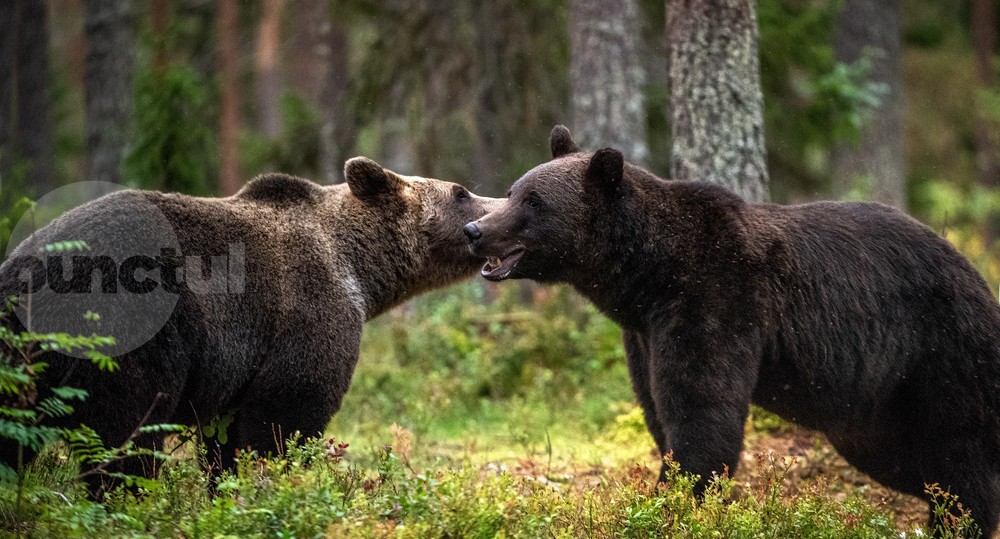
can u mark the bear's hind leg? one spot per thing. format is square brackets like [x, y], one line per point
[122, 427]
[637, 355]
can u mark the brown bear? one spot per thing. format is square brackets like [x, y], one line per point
[850, 318]
[276, 340]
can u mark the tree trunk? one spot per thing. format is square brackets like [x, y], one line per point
[606, 76]
[489, 45]
[229, 119]
[337, 129]
[717, 126]
[25, 132]
[319, 70]
[268, 74]
[307, 48]
[878, 159]
[108, 80]
[984, 39]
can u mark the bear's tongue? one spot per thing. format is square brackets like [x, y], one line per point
[498, 268]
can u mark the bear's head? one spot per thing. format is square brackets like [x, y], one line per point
[413, 226]
[544, 230]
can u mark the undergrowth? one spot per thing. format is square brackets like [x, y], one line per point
[467, 418]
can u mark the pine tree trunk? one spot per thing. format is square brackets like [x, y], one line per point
[268, 74]
[25, 132]
[108, 80]
[606, 75]
[717, 123]
[877, 160]
[229, 119]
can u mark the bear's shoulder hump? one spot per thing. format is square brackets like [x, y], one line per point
[280, 189]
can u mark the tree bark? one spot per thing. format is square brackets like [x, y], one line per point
[606, 76]
[229, 119]
[878, 158]
[337, 129]
[268, 74]
[984, 40]
[25, 129]
[108, 80]
[717, 126]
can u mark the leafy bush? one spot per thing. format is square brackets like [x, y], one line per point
[27, 413]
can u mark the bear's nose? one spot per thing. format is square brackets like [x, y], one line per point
[472, 231]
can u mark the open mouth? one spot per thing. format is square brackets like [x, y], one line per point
[498, 268]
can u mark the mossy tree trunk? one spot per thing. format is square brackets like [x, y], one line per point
[108, 81]
[876, 163]
[717, 123]
[606, 77]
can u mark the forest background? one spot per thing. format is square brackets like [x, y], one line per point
[895, 101]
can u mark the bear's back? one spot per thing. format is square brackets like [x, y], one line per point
[281, 189]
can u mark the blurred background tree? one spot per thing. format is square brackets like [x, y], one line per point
[198, 96]
[107, 85]
[607, 76]
[868, 32]
[25, 132]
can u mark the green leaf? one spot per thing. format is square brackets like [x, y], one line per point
[68, 393]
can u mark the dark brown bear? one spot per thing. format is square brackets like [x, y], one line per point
[849, 318]
[278, 352]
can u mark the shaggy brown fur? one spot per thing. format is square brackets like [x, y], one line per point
[319, 262]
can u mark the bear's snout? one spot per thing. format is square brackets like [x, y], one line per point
[472, 231]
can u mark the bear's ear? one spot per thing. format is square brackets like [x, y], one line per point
[367, 178]
[605, 171]
[561, 142]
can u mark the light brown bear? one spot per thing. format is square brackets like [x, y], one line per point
[276, 341]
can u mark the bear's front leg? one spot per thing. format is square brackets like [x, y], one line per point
[701, 388]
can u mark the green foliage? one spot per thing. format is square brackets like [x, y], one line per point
[950, 521]
[484, 78]
[174, 146]
[27, 411]
[306, 492]
[9, 219]
[23, 408]
[295, 151]
[452, 363]
[811, 101]
[218, 427]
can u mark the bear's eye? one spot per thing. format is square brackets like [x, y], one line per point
[461, 194]
[532, 203]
